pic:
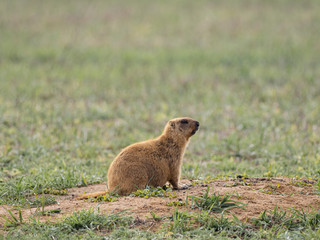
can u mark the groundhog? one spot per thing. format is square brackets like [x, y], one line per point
[153, 162]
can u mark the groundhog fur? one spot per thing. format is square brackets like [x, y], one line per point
[153, 162]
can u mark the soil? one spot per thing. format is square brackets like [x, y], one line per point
[258, 193]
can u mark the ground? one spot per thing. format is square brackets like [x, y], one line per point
[258, 194]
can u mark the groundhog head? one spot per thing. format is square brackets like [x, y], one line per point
[184, 127]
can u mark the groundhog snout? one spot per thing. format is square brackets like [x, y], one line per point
[197, 124]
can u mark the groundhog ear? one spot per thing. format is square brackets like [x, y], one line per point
[172, 124]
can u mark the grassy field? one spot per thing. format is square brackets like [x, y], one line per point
[80, 80]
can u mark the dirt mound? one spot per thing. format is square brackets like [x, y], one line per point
[258, 193]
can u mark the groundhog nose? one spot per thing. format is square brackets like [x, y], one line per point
[197, 124]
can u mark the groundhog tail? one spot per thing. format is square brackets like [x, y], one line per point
[90, 195]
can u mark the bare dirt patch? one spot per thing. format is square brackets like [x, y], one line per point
[258, 193]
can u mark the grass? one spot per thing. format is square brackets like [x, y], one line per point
[78, 224]
[215, 202]
[41, 201]
[80, 81]
[15, 190]
[11, 220]
[276, 224]
[150, 191]
[106, 198]
[92, 220]
[293, 220]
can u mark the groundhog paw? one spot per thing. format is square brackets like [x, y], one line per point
[184, 187]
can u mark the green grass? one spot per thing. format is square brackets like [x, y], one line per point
[150, 191]
[79, 81]
[276, 224]
[181, 225]
[214, 202]
[79, 223]
[295, 220]
[273, 225]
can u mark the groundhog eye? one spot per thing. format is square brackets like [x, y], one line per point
[184, 121]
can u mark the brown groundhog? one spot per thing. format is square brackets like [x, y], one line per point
[153, 162]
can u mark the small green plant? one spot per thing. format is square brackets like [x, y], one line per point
[268, 219]
[50, 212]
[41, 201]
[176, 203]
[270, 189]
[311, 220]
[314, 221]
[300, 183]
[278, 218]
[106, 198]
[241, 182]
[155, 217]
[268, 174]
[14, 191]
[92, 219]
[209, 179]
[318, 182]
[184, 222]
[12, 221]
[180, 222]
[293, 220]
[55, 191]
[154, 192]
[215, 202]
[213, 222]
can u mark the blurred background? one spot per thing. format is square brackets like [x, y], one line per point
[80, 80]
